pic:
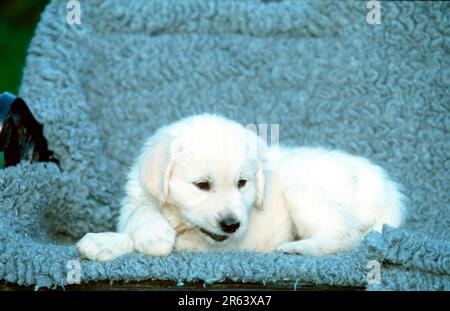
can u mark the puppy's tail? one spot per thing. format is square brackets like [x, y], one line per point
[394, 209]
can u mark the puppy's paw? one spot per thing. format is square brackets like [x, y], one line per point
[104, 246]
[306, 247]
[155, 240]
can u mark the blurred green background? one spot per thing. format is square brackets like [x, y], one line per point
[18, 19]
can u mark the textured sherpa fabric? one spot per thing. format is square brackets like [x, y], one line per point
[316, 68]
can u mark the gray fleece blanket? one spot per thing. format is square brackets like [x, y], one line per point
[317, 68]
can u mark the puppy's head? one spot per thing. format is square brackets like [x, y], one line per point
[209, 168]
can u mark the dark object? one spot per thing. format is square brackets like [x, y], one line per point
[21, 136]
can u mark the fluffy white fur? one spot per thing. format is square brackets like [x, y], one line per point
[309, 201]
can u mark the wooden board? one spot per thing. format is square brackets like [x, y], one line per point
[152, 285]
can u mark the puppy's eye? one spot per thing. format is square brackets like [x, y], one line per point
[241, 183]
[203, 185]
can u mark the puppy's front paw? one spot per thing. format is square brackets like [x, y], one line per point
[158, 241]
[104, 246]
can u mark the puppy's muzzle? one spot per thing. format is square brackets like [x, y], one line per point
[228, 225]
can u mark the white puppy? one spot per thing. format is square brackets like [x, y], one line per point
[206, 183]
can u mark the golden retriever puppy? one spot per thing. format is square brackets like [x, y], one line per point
[206, 183]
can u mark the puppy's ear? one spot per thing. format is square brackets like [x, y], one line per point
[155, 164]
[258, 152]
[260, 182]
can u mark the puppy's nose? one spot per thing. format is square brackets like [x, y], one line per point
[229, 225]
